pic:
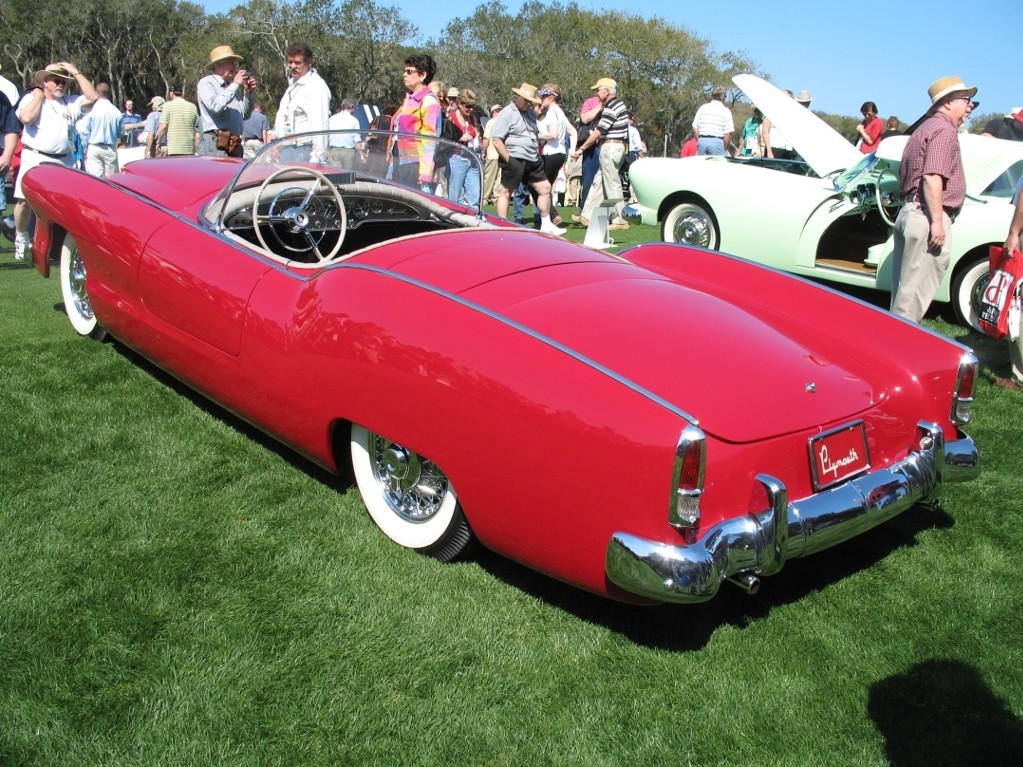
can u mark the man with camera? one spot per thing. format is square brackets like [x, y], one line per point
[225, 101]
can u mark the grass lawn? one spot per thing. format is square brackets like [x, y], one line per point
[175, 590]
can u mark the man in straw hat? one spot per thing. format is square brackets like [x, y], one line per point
[515, 137]
[225, 100]
[49, 116]
[933, 186]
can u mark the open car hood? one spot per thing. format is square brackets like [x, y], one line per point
[816, 142]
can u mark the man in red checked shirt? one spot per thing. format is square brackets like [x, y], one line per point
[933, 186]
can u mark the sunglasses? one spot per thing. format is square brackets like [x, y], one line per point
[411, 71]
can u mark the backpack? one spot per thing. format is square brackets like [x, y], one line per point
[450, 132]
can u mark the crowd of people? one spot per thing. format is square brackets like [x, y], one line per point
[530, 149]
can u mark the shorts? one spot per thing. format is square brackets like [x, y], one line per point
[31, 158]
[515, 171]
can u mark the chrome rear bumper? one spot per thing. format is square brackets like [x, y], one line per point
[745, 548]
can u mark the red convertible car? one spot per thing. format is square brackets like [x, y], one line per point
[677, 422]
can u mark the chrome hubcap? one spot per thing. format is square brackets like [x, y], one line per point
[977, 292]
[692, 229]
[414, 488]
[76, 281]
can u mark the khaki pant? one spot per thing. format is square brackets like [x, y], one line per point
[491, 176]
[916, 271]
[607, 185]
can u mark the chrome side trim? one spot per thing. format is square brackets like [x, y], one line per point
[744, 548]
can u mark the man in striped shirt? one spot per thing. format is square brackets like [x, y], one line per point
[178, 122]
[612, 131]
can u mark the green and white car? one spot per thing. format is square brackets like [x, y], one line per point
[829, 214]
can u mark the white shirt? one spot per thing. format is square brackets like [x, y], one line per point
[713, 120]
[344, 120]
[305, 106]
[554, 122]
[635, 140]
[10, 90]
[51, 133]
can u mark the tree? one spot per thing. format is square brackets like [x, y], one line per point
[664, 72]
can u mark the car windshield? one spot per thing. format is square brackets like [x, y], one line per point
[422, 164]
[846, 177]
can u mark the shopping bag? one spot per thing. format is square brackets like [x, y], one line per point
[1005, 272]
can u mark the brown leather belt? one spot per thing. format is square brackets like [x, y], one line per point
[952, 213]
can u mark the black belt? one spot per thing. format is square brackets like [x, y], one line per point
[49, 154]
[717, 137]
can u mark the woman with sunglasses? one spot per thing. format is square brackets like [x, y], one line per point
[464, 179]
[869, 129]
[420, 114]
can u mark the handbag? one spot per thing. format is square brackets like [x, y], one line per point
[228, 142]
[1005, 273]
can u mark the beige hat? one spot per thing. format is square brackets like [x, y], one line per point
[605, 82]
[52, 72]
[157, 101]
[496, 108]
[528, 92]
[804, 97]
[452, 92]
[221, 53]
[946, 85]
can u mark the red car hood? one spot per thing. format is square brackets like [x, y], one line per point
[739, 376]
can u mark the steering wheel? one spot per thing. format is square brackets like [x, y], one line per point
[300, 226]
[885, 216]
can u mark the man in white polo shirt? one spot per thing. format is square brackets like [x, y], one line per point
[49, 116]
[713, 126]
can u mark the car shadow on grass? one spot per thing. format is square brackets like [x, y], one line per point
[942, 712]
[670, 627]
[688, 627]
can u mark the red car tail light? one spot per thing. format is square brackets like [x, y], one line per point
[690, 463]
[962, 400]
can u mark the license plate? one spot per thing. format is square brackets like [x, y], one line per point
[838, 455]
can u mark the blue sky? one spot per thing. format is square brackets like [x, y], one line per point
[843, 53]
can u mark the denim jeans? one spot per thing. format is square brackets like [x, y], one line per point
[464, 182]
[591, 167]
[520, 198]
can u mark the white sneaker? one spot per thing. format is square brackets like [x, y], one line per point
[557, 231]
[21, 244]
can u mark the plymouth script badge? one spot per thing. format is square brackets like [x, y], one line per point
[839, 454]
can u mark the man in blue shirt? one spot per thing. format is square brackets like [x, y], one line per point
[10, 129]
[131, 123]
[102, 123]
